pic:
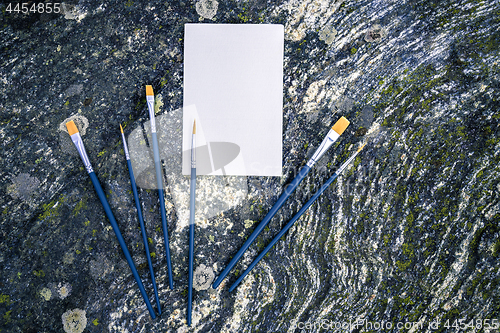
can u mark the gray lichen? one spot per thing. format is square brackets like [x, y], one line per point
[327, 34]
[375, 34]
[207, 8]
[23, 187]
[74, 321]
[203, 277]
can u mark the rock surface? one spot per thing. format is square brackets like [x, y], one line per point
[407, 235]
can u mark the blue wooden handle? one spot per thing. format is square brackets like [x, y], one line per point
[284, 196]
[114, 225]
[159, 182]
[191, 244]
[190, 283]
[165, 237]
[143, 231]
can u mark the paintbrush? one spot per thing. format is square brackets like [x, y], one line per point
[295, 218]
[327, 142]
[150, 99]
[77, 140]
[191, 224]
[141, 220]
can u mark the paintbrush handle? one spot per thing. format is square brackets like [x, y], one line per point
[284, 230]
[191, 244]
[165, 237]
[143, 231]
[284, 196]
[192, 197]
[114, 225]
[296, 217]
[159, 182]
[190, 283]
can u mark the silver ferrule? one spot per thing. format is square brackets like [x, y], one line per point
[193, 151]
[77, 140]
[125, 148]
[330, 138]
[150, 100]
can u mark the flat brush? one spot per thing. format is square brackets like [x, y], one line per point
[77, 140]
[150, 99]
[327, 142]
[294, 219]
[141, 219]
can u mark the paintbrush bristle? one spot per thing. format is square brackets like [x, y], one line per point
[149, 91]
[121, 128]
[194, 127]
[72, 129]
[341, 125]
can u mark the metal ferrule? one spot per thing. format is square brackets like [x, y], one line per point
[77, 140]
[193, 151]
[151, 108]
[330, 138]
[125, 148]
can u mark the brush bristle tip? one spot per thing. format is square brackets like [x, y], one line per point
[149, 91]
[341, 125]
[360, 148]
[72, 129]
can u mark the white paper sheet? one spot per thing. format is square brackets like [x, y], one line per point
[233, 86]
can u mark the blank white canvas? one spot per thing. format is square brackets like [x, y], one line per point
[233, 78]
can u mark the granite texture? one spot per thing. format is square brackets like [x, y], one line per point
[408, 234]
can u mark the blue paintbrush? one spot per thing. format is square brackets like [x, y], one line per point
[330, 138]
[141, 220]
[150, 99]
[294, 219]
[191, 224]
[77, 140]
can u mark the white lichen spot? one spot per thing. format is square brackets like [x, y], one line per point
[74, 321]
[119, 54]
[314, 95]
[307, 15]
[158, 103]
[116, 315]
[81, 123]
[74, 89]
[46, 294]
[203, 277]
[64, 290]
[327, 34]
[375, 33]
[248, 223]
[207, 8]
[23, 186]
